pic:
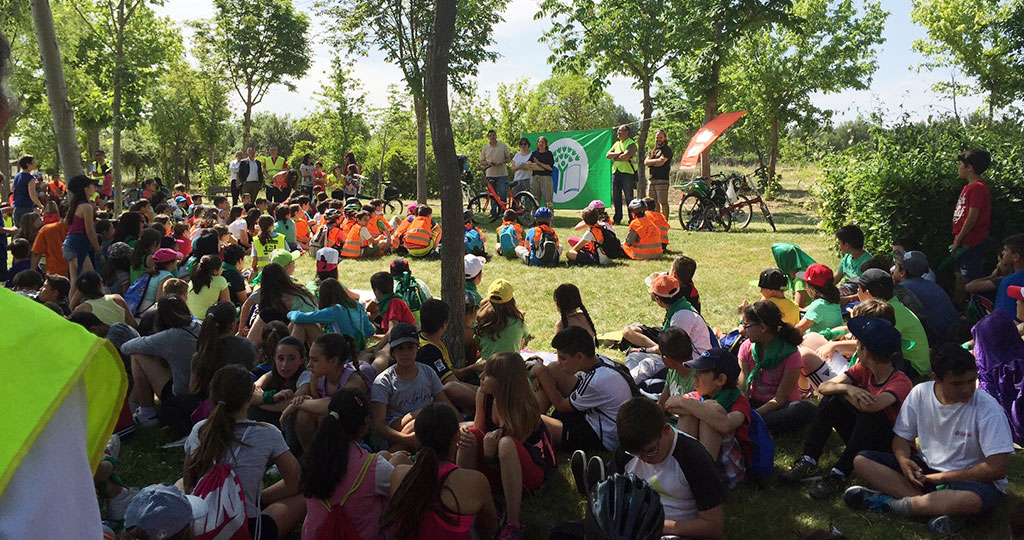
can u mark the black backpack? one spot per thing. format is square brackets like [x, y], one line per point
[621, 370]
[546, 251]
[611, 245]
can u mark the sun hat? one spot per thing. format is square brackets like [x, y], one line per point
[817, 274]
[876, 335]
[284, 257]
[773, 279]
[163, 511]
[473, 266]
[403, 333]
[500, 291]
[163, 255]
[664, 286]
[326, 259]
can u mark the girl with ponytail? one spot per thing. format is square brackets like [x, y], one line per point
[332, 364]
[81, 245]
[335, 463]
[217, 346]
[770, 368]
[276, 388]
[435, 498]
[208, 286]
[249, 447]
[571, 310]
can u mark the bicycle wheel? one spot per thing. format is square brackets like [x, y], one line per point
[393, 206]
[741, 214]
[692, 213]
[722, 217]
[481, 208]
[768, 215]
[525, 206]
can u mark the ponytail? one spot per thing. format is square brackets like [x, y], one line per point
[828, 293]
[266, 224]
[208, 358]
[203, 275]
[768, 314]
[342, 347]
[231, 391]
[326, 460]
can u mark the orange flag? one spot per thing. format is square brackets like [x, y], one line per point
[706, 135]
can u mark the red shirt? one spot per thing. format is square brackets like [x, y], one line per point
[898, 384]
[974, 195]
[398, 311]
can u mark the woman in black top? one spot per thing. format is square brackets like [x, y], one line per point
[544, 161]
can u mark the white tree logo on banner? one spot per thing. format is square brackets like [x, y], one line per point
[571, 167]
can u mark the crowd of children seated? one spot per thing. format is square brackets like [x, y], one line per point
[337, 412]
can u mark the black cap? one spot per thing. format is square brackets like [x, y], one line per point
[399, 266]
[876, 335]
[403, 333]
[773, 279]
[876, 281]
[717, 359]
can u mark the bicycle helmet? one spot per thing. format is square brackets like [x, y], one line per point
[636, 205]
[331, 214]
[352, 200]
[596, 204]
[624, 507]
[543, 213]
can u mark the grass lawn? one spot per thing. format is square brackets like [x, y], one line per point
[616, 296]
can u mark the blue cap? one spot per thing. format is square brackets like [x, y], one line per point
[876, 335]
[163, 511]
[717, 359]
[543, 213]
[180, 199]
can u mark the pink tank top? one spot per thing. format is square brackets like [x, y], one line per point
[433, 527]
[77, 225]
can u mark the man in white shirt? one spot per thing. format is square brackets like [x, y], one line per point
[494, 157]
[233, 171]
[965, 444]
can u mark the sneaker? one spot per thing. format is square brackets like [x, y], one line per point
[113, 446]
[828, 486]
[595, 472]
[180, 443]
[511, 531]
[144, 422]
[578, 465]
[801, 471]
[862, 498]
[943, 525]
[118, 504]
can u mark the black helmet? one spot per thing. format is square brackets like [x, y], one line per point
[622, 507]
[467, 214]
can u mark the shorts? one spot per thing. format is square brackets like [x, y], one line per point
[268, 527]
[986, 491]
[77, 248]
[969, 265]
[533, 472]
[587, 258]
[577, 433]
[175, 411]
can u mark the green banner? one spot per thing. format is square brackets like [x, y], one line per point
[582, 173]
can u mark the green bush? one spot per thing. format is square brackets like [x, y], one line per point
[902, 182]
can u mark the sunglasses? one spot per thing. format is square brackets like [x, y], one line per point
[649, 454]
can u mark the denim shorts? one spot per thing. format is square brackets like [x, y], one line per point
[77, 247]
[986, 491]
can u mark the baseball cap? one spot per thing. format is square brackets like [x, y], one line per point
[817, 274]
[876, 279]
[163, 511]
[773, 279]
[284, 257]
[597, 204]
[399, 266]
[180, 199]
[717, 359]
[500, 291]
[1015, 292]
[163, 255]
[915, 263]
[664, 285]
[403, 333]
[876, 335]
[326, 259]
[473, 266]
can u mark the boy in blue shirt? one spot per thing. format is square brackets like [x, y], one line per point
[1013, 253]
[542, 247]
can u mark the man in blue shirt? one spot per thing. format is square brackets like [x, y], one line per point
[937, 304]
[1013, 253]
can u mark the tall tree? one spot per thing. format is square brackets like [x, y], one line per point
[452, 278]
[969, 34]
[636, 39]
[56, 89]
[338, 121]
[567, 102]
[401, 29]
[258, 43]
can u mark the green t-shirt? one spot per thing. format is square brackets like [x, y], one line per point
[677, 384]
[199, 302]
[287, 228]
[509, 340]
[824, 315]
[911, 330]
[850, 267]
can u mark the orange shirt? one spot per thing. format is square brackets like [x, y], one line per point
[48, 244]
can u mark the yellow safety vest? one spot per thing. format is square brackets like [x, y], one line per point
[32, 395]
[263, 251]
[623, 166]
[274, 167]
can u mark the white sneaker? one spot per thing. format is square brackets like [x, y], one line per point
[114, 446]
[117, 505]
[143, 422]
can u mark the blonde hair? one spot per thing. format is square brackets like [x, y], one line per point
[515, 401]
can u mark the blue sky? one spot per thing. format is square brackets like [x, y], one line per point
[896, 86]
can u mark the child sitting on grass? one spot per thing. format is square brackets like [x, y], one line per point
[791, 259]
[824, 312]
[510, 235]
[773, 283]
[851, 245]
[541, 247]
[587, 250]
[658, 219]
[473, 236]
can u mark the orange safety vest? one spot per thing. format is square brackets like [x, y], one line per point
[378, 225]
[517, 227]
[346, 226]
[591, 247]
[648, 244]
[538, 234]
[353, 245]
[419, 233]
[335, 237]
[661, 223]
[400, 230]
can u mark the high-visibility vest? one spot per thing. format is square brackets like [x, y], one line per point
[378, 225]
[661, 223]
[400, 230]
[353, 245]
[538, 234]
[648, 243]
[419, 233]
[623, 166]
[335, 237]
[273, 167]
[263, 251]
[591, 247]
[32, 395]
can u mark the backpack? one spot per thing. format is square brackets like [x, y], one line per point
[337, 525]
[762, 451]
[621, 370]
[410, 291]
[136, 292]
[546, 251]
[318, 241]
[474, 244]
[611, 245]
[509, 239]
[225, 499]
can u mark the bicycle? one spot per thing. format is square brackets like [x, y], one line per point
[520, 201]
[742, 207]
[390, 196]
[701, 205]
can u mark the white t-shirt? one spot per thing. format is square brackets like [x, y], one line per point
[233, 169]
[598, 394]
[685, 492]
[237, 227]
[307, 174]
[693, 324]
[522, 174]
[958, 436]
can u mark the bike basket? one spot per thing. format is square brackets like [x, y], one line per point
[390, 193]
[700, 186]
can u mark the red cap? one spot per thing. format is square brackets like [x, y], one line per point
[1015, 292]
[816, 274]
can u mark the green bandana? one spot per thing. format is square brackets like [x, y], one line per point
[769, 357]
[726, 398]
[678, 305]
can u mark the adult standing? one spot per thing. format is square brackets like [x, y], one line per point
[100, 171]
[250, 174]
[543, 162]
[659, 164]
[272, 165]
[623, 170]
[306, 170]
[494, 157]
[521, 172]
[236, 186]
[350, 159]
[25, 197]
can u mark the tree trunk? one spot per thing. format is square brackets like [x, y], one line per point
[710, 111]
[641, 142]
[116, 106]
[773, 147]
[213, 161]
[420, 106]
[453, 284]
[56, 90]
[5, 155]
[248, 126]
[94, 140]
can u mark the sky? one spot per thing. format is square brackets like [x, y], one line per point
[896, 86]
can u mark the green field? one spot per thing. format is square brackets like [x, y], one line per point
[616, 296]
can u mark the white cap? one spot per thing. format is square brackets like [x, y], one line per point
[474, 265]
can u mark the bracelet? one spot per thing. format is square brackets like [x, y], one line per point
[268, 396]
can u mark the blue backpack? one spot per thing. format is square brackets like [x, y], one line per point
[508, 237]
[762, 451]
[136, 292]
[474, 244]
